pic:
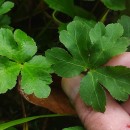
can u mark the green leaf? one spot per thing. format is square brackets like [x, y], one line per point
[105, 39]
[7, 43]
[60, 5]
[21, 51]
[115, 4]
[36, 77]
[74, 128]
[27, 119]
[124, 21]
[26, 46]
[67, 7]
[89, 48]
[6, 7]
[92, 92]
[8, 72]
[74, 64]
[76, 40]
[64, 64]
[115, 80]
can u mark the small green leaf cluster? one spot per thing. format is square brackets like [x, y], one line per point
[5, 7]
[88, 48]
[17, 52]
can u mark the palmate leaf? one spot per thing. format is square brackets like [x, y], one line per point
[18, 46]
[67, 65]
[8, 72]
[91, 48]
[35, 72]
[36, 77]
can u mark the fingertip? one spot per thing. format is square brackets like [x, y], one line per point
[122, 59]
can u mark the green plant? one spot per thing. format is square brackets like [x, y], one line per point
[89, 49]
[17, 57]
[88, 44]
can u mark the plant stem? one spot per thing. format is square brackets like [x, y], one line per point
[25, 125]
[55, 19]
[103, 18]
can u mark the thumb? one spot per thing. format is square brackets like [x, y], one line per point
[114, 118]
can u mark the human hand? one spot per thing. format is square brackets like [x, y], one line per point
[116, 116]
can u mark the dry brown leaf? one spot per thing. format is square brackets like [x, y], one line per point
[57, 102]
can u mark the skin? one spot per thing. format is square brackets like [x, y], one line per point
[116, 116]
